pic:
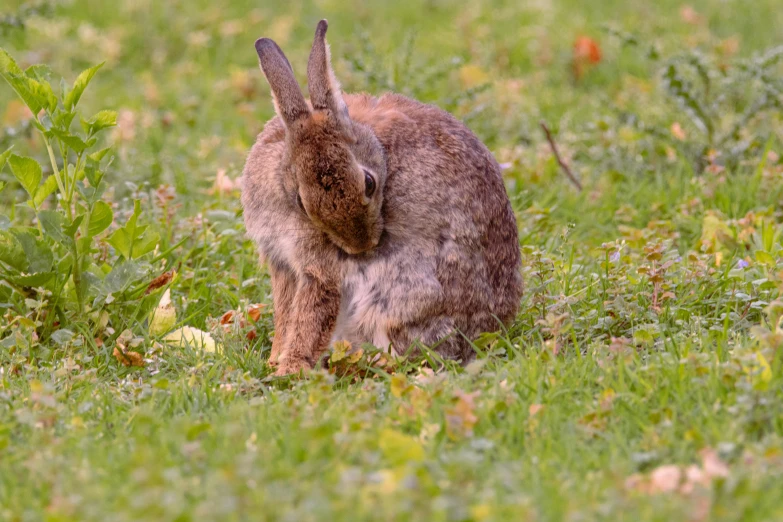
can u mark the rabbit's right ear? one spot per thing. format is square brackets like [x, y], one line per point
[325, 92]
[289, 101]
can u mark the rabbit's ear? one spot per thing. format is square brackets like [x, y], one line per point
[289, 101]
[325, 93]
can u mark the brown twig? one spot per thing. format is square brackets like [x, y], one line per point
[563, 164]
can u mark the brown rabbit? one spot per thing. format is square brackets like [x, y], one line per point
[383, 220]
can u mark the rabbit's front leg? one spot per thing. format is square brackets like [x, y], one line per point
[309, 329]
[283, 292]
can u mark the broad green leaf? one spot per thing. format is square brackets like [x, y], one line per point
[100, 218]
[11, 252]
[39, 256]
[75, 143]
[72, 98]
[765, 258]
[45, 190]
[52, 223]
[62, 336]
[121, 276]
[32, 280]
[62, 119]
[14, 75]
[39, 72]
[7, 64]
[36, 95]
[102, 120]
[27, 171]
[133, 241]
[145, 243]
[4, 157]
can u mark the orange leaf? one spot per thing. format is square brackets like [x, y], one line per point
[587, 50]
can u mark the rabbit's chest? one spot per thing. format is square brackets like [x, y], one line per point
[363, 316]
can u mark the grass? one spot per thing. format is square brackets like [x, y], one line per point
[648, 340]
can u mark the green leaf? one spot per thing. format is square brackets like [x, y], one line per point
[4, 157]
[39, 72]
[145, 244]
[121, 276]
[32, 92]
[133, 241]
[27, 171]
[765, 258]
[75, 143]
[102, 120]
[39, 256]
[45, 190]
[11, 252]
[79, 85]
[98, 156]
[52, 223]
[32, 280]
[101, 218]
[74, 226]
[62, 336]
[8, 65]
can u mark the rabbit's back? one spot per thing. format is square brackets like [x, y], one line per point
[449, 258]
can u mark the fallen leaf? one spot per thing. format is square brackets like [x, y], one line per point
[665, 479]
[534, 409]
[193, 337]
[164, 317]
[222, 184]
[677, 131]
[160, 281]
[712, 465]
[461, 417]
[128, 358]
[689, 15]
[254, 311]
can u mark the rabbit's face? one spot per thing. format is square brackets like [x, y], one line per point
[339, 182]
[338, 165]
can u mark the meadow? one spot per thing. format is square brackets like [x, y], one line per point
[641, 380]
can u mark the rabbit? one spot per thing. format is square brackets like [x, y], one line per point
[381, 220]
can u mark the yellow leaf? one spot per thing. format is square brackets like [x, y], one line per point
[164, 317]
[399, 448]
[766, 371]
[399, 385]
[472, 76]
[193, 337]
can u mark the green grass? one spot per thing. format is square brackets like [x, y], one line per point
[645, 337]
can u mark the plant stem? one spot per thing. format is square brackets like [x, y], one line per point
[55, 169]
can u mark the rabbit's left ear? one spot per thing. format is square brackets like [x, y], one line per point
[325, 93]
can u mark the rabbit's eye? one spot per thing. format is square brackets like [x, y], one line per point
[369, 184]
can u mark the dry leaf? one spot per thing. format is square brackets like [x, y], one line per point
[254, 311]
[461, 417]
[712, 465]
[223, 184]
[160, 281]
[128, 358]
[665, 479]
[689, 15]
[677, 131]
[534, 409]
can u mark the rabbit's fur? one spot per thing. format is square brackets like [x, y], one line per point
[382, 220]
